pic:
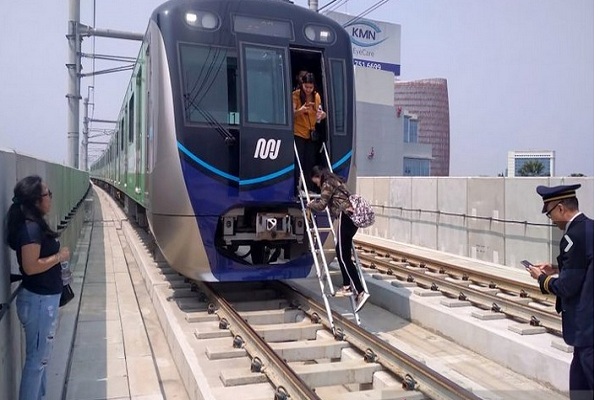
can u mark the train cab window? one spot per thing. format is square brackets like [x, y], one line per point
[339, 96]
[209, 84]
[267, 99]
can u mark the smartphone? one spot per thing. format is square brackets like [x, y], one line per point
[526, 264]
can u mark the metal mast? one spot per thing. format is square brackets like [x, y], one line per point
[73, 94]
[77, 32]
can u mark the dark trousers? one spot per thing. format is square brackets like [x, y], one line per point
[307, 153]
[343, 250]
[581, 374]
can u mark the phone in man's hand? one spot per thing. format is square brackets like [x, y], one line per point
[526, 264]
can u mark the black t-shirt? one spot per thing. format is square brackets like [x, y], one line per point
[50, 281]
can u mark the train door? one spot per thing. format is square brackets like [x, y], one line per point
[138, 134]
[130, 147]
[266, 156]
[312, 61]
[148, 126]
[122, 153]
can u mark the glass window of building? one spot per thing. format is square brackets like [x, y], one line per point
[416, 166]
[411, 127]
[532, 166]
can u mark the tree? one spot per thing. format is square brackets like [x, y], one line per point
[532, 168]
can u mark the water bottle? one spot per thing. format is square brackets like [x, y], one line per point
[65, 273]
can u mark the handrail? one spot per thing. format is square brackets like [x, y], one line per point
[452, 214]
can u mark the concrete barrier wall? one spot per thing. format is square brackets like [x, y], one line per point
[497, 220]
[69, 187]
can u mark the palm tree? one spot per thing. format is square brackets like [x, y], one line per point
[532, 168]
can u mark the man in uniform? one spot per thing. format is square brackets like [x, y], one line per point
[574, 285]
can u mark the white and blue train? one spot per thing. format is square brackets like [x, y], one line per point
[204, 144]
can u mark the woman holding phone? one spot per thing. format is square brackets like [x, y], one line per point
[307, 113]
[39, 255]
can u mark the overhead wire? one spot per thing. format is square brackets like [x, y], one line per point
[327, 5]
[333, 6]
[367, 11]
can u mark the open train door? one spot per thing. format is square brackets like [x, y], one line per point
[306, 60]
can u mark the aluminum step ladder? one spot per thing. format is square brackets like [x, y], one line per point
[359, 269]
[316, 244]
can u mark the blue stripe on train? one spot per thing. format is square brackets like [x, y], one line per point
[252, 181]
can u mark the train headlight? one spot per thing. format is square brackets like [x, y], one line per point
[202, 20]
[191, 18]
[319, 34]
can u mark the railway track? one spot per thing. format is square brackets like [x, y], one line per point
[286, 337]
[266, 340]
[501, 294]
[259, 341]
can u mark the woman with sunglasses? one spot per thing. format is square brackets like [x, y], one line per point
[39, 256]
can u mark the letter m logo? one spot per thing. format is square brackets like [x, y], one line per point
[267, 148]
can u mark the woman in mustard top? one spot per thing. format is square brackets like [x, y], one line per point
[307, 113]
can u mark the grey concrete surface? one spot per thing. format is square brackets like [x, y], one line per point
[110, 344]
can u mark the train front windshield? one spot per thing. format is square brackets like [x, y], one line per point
[209, 84]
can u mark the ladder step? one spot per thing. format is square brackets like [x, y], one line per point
[310, 195]
[328, 229]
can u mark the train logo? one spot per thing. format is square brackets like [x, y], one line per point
[364, 33]
[267, 148]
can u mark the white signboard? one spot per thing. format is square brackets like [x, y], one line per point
[375, 44]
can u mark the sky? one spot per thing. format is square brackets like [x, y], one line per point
[520, 73]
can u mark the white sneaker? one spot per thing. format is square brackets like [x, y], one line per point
[344, 291]
[361, 300]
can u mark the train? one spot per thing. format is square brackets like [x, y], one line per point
[203, 148]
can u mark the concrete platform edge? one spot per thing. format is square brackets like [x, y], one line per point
[193, 377]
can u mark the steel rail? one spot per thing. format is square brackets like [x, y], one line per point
[413, 373]
[512, 309]
[457, 271]
[276, 369]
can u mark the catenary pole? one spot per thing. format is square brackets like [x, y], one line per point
[75, 35]
[73, 93]
[86, 132]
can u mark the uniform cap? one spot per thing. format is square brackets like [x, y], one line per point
[551, 193]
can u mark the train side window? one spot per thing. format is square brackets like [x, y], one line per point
[338, 76]
[209, 84]
[130, 116]
[267, 99]
[122, 134]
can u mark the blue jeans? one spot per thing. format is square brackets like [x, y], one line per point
[39, 316]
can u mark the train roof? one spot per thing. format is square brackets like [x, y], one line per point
[280, 9]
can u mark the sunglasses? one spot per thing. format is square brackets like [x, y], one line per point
[49, 194]
[549, 213]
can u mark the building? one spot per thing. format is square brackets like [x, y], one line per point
[530, 163]
[387, 141]
[427, 101]
[417, 156]
[384, 146]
